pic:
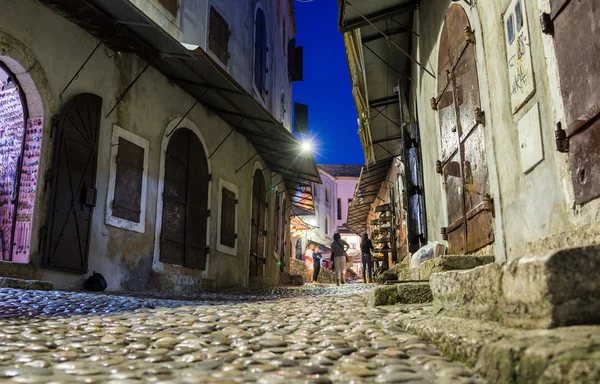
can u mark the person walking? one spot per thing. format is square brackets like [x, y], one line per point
[309, 263]
[338, 254]
[317, 263]
[366, 247]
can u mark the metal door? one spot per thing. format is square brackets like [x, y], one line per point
[185, 202]
[258, 226]
[73, 190]
[464, 164]
[577, 42]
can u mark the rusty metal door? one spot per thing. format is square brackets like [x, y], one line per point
[463, 164]
[258, 226]
[185, 202]
[577, 42]
[73, 190]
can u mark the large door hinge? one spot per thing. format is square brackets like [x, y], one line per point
[444, 232]
[562, 141]
[438, 167]
[488, 203]
[53, 125]
[469, 36]
[547, 23]
[479, 116]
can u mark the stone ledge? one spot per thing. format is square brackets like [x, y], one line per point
[443, 264]
[511, 355]
[403, 293]
[8, 282]
[559, 289]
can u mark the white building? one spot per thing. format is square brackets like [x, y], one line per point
[152, 126]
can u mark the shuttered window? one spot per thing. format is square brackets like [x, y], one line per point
[339, 209]
[260, 51]
[171, 5]
[218, 37]
[128, 182]
[277, 221]
[228, 213]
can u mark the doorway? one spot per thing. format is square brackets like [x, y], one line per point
[185, 202]
[258, 228]
[464, 163]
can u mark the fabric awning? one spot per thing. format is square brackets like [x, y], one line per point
[366, 192]
[123, 27]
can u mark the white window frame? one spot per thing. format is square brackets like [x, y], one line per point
[235, 189]
[111, 220]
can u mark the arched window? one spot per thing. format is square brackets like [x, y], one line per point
[185, 202]
[260, 50]
[327, 225]
[327, 197]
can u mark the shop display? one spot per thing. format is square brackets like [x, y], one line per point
[17, 149]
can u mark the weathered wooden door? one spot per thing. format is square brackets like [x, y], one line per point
[185, 202]
[258, 227]
[73, 188]
[577, 42]
[464, 164]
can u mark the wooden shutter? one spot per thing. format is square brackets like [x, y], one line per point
[228, 208]
[259, 58]
[276, 221]
[128, 181]
[171, 5]
[339, 209]
[218, 37]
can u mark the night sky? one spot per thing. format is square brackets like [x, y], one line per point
[326, 88]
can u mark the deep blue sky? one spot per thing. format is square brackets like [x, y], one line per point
[326, 87]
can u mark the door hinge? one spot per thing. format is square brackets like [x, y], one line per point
[433, 103]
[469, 36]
[444, 232]
[438, 167]
[488, 203]
[207, 249]
[208, 213]
[562, 141]
[210, 177]
[479, 116]
[547, 23]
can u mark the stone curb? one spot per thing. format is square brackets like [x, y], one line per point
[9, 282]
[403, 293]
[510, 355]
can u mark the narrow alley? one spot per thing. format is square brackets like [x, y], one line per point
[317, 335]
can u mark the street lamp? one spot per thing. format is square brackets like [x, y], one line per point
[306, 146]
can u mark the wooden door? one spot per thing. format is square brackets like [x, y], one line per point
[73, 189]
[185, 202]
[464, 164]
[258, 226]
[577, 41]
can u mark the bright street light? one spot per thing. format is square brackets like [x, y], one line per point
[306, 146]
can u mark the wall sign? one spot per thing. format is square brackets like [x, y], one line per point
[518, 51]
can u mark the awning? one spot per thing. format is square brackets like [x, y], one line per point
[378, 38]
[302, 201]
[123, 27]
[322, 248]
[365, 194]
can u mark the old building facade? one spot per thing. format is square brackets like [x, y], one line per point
[505, 110]
[147, 153]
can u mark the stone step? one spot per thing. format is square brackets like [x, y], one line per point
[502, 354]
[442, 264]
[559, 289]
[8, 282]
[401, 293]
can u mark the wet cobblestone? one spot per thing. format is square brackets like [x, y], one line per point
[314, 334]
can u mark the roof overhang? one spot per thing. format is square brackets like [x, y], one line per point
[367, 189]
[123, 27]
[378, 37]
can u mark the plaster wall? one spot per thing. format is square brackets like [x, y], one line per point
[527, 206]
[323, 209]
[52, 49]
[191, 26]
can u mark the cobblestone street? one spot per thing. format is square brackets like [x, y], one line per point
[313, 334]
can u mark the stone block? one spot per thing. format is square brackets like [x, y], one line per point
[326, 276]
[559, 289]
[8, 282]
[413, 293]
[448, 263]
[383, 295]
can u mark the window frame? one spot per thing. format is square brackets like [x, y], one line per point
[327, 195]
[114, 221]
[235, 189]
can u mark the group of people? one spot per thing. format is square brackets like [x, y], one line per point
[313, 259]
